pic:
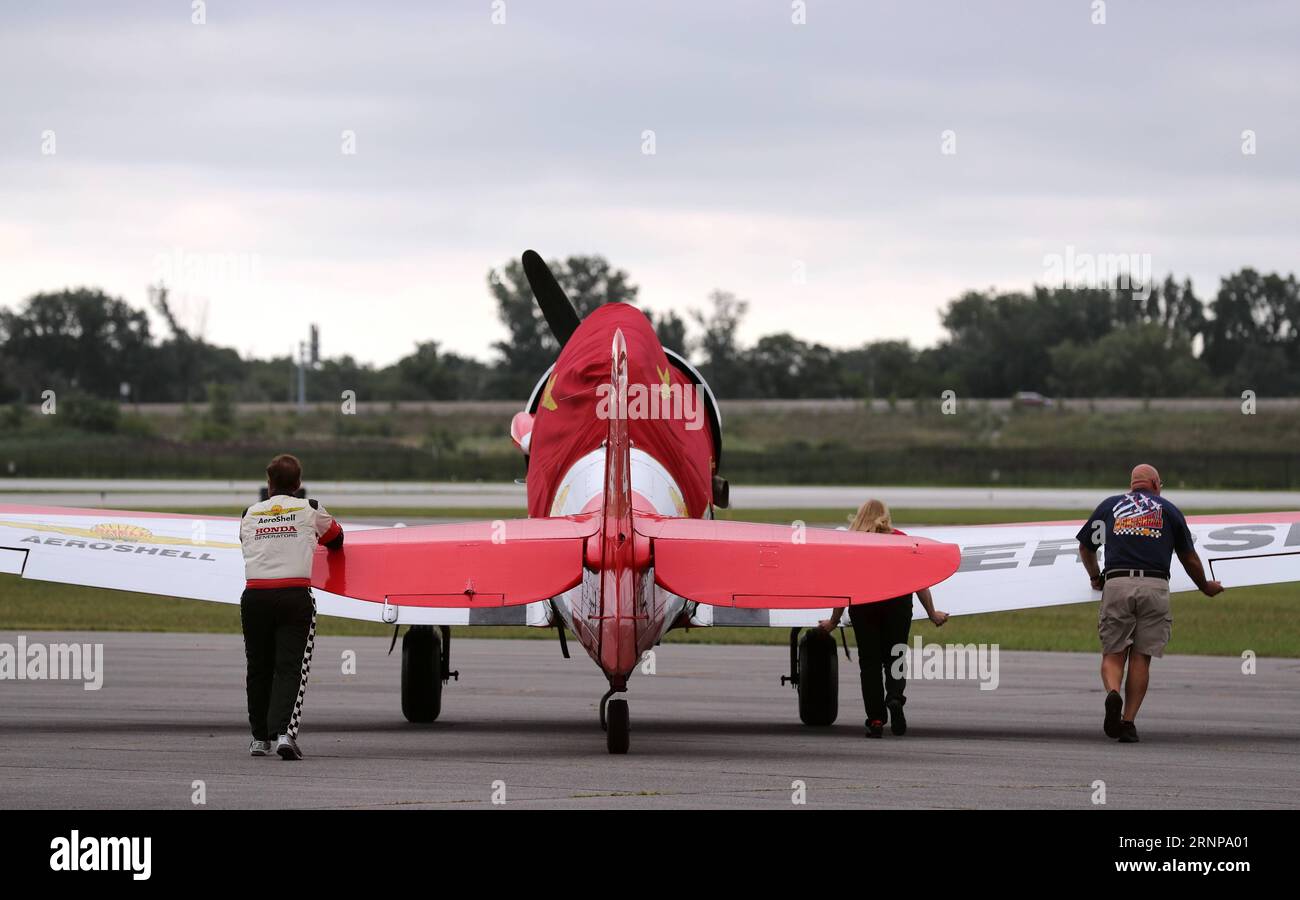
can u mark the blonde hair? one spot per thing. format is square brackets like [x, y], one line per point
[873, 516]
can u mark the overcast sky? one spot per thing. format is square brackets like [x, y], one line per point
[801, 166]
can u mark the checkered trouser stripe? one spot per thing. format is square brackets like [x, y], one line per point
[296, 719]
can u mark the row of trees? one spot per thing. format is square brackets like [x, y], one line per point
[1064, 341]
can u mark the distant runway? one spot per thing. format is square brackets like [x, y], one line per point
[236, 495]
[713, 728]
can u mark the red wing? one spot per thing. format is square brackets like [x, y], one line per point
[777, 567]
[476, 564]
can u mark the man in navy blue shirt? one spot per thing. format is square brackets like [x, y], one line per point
[1140, 531]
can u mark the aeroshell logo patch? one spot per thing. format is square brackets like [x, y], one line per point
[121, 531]
[277, 511]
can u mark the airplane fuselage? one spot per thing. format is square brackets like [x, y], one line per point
[595, 450]
[644, 612]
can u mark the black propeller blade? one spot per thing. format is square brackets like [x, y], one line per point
[551, 299]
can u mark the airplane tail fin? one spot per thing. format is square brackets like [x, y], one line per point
[618, 573]
[617, 503]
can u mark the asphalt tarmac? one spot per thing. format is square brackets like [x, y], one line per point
[711, 728]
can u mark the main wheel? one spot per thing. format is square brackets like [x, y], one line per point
[617, 724]
[819, 678]
[421, 673]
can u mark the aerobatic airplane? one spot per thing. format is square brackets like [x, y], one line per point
[623, 446]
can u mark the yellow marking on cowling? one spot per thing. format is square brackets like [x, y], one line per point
[548, 401]
[559, 500]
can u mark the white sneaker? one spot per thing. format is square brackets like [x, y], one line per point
[287, 748]
[259, 748]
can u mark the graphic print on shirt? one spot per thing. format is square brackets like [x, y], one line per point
[1139, 515]
[278, 521]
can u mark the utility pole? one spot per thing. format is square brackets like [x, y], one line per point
[302, 376]
[308, 357]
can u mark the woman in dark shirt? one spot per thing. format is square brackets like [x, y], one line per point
[878, 628]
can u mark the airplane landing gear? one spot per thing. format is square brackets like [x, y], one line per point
[426, 664]
[616, 735]
[615, 719]
[815, 674]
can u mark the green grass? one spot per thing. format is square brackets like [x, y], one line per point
[393, 513]
[778, 515]
[905, 516]
[1073, 442]
[1262, 619]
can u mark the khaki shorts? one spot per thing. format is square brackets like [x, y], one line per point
[1135, 612]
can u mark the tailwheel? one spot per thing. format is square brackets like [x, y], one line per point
[617, 725]
[422, 673]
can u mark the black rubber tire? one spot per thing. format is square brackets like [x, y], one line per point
[819, 678]
[421, 673]
[618, 722]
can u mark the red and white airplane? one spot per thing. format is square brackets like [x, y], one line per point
[623, 441]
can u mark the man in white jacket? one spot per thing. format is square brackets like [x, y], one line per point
[279, 536]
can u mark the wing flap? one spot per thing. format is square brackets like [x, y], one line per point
[1269, 568]
[12, 561]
